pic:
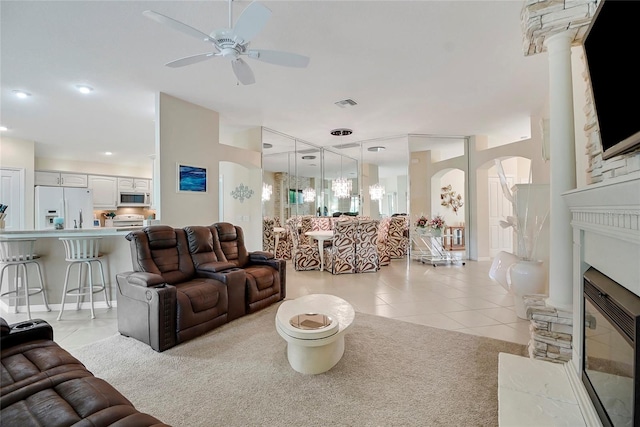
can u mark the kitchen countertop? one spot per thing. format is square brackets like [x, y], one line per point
[88, 232]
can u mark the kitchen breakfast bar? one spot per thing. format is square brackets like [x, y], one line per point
[116, 259]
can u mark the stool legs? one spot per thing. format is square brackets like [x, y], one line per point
[21, 272]
[104, 286]
[78, 292]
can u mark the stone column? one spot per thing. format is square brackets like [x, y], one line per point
[562, 166]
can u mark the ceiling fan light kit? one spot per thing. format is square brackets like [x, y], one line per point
[232, 43]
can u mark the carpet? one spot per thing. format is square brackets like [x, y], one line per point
[393, 373]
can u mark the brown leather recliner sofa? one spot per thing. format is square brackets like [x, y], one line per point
[43, 385]
[188, 281]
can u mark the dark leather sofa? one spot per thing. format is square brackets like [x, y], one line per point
[43, 385]
[188, 281]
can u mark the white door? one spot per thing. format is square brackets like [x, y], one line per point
[12, 195]
[500, 239]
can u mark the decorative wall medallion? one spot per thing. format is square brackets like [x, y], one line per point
[242, 192]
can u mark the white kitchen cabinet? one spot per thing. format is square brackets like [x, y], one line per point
[134, 184]
[60, 179]
[105, 191]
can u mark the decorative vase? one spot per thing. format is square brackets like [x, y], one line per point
[436, 232]
[525, 278]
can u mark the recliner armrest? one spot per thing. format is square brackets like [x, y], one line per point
[215, 266]
[132, 285]
[23, 332]
[143, 279]
[257, 256]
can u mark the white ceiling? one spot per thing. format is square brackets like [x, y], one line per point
[414, 67]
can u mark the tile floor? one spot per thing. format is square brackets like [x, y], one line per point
[454, 297]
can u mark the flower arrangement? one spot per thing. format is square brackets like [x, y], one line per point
[450, 199]
[422, 222]
[437, 222]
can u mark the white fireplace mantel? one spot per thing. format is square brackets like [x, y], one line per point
[606, 235]
[606, 223]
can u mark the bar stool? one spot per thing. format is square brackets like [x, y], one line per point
[20, 254]
[83, 251]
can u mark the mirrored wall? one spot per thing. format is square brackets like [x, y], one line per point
[300, 178]
[367, 178]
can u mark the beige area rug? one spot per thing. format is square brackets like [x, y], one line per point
[393, 373]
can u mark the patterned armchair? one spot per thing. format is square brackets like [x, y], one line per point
[341, 256]
[398, 241]
[306, 225]
[303, 256]
[367, 258]
[268, 238]
[383, 241]
[283, 251]
[318, 224]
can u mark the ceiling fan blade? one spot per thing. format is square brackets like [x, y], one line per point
[279, 58]
[176, 25]
[188, 60]
[251, 21]
[243, 72]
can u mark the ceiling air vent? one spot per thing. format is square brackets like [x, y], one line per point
[346, 103]
[348, 145]
[308, 151]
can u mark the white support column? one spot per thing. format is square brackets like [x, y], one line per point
[562, 166]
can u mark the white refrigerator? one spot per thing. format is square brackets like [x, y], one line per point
[70, 203]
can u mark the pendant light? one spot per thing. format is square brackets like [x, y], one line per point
[341, 186]
[376, 191]
[309, 195]
[267, 190]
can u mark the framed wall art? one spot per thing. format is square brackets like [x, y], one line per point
[191, 179]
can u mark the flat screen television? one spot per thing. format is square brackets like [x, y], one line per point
[611, 51]
[295, 197]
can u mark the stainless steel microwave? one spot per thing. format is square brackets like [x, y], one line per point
[134, 198]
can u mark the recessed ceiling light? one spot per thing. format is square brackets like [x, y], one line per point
[377, 148]
[3, 129]
[308, 157]
[21, 94]
[84, 89]
[108, 153]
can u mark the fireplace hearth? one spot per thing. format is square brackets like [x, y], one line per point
[611, 332]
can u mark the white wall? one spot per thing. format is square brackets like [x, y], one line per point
[188, 134]
[242, 211]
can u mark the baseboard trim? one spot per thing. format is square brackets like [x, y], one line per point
[587, 409]
[35, 308]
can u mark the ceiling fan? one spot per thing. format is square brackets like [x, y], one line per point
[233, 42]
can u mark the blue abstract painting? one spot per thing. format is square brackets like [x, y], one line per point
[192, 178]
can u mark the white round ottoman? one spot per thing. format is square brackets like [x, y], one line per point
[314, 327]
